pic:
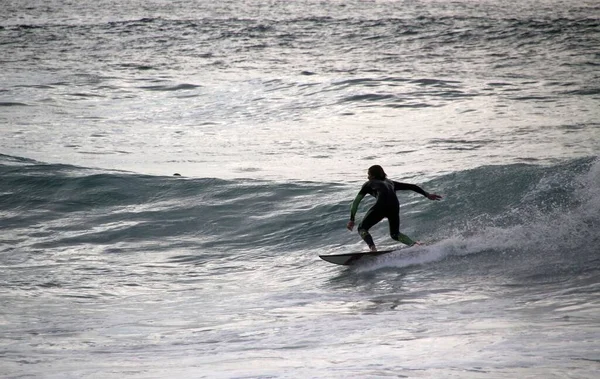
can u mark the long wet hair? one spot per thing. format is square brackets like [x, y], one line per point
[377, 172]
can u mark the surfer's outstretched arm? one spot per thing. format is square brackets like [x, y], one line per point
[413, 187]
[353, 210]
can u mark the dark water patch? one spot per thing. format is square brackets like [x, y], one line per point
[88, 152]
[367, 98]
[50, 285]
[12, 104]
[132, 23]
[60, 84]
[528, 159]
[574, 128]
[9, 161]
[534, 98]
[179, 87]
[81, 296]
[84, 95]
[261, 28]
[141, 67]
[583, 92]
[435, 82]
[406, 151]
[29, 26]
[458, 141]
[38, 86]
[411, 105]
[370, 82]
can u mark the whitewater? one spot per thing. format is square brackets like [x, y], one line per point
[170, 172]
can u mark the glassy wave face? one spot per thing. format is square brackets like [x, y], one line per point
[545, 209]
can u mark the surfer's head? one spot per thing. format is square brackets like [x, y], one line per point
[376, 172]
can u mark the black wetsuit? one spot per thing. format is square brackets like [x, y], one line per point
[386, 206]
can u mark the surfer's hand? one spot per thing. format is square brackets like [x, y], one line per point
[433, 196]
[350, 225]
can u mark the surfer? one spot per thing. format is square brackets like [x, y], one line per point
[386, 206]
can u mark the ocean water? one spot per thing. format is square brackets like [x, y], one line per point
[271, 112]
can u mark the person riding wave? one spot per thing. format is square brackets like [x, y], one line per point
[386, 206]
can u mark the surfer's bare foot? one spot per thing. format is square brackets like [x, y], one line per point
[418, 243]
[373, 249]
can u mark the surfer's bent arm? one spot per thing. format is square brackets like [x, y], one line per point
[355, 204]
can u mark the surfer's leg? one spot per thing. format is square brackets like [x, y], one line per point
[371, 218]
[394, 220]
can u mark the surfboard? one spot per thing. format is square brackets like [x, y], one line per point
[351, 258]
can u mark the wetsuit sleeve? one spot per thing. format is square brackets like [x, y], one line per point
[355, 203]
[364, 190]
[410, 187]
